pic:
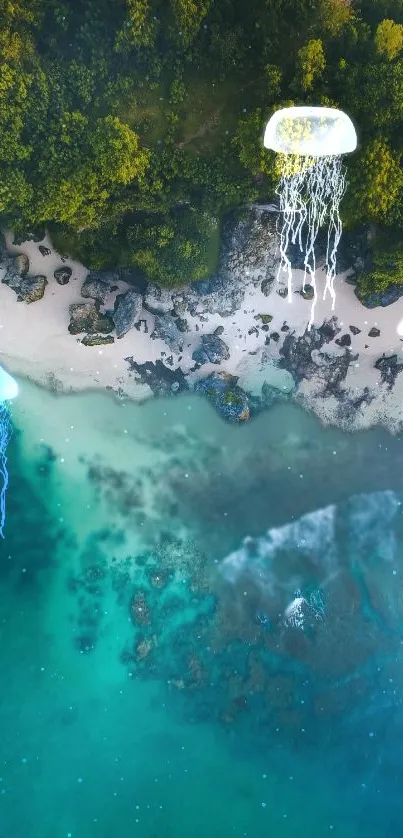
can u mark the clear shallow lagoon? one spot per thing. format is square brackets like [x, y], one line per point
[144, 692]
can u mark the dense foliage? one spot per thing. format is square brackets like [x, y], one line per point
[130, 127]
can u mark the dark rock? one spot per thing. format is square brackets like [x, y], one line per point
[329, 330]
[297, 257]
[308, 292]
[97, 340]
[219, 330]
[355, 330]
[253, 331]
[86, 317]
[275, 336]
[285, 328]
[182, 324]
[212, 350]
[35, 235]
[165, 328]
[21, 264]
[12, 278]
[345, 340]
[45, 251]
[366, 397]
[96, 288]
[128, 307]
[389, 369]
[264, 318]
[297, 356]
[380, 298]
[141, 326]
[265, 328]
[283, 292]
[180, 304]
[157, 300]
[229, 400]
[354, 251]
[374, 332]
[158, 377]
[267, 285]
[335, 371]
[32, 289]
[62, 275]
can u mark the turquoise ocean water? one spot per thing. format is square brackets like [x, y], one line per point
[162, 677]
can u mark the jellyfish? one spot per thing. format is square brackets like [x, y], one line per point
[8, 391]
[310, 142]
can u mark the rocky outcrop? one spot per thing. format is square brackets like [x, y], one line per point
[212, 350]
[157, 300]
[62, 275]
[34, 235]
[166, 329]
[98, 285]
[12, 277]
[161, 380]
[85, 317]
[231, 402]
[28, 289]
[380, 298]
[97, 340]
[308, 292]
[296, 352]
[32, 289]
[389, 369]
[127, 311]
[21, 264]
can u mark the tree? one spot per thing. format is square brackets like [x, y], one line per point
[175, 249]
[311, 63]
[83, 165]
[389, 39]
[376, 179]
[139, 28]
[187, 17]
[334, 15]
[248, 141]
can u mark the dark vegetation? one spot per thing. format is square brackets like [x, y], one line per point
[132, 127]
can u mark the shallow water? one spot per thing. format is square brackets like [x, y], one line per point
[155, 679]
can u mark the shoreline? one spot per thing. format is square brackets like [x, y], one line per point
[262, 336]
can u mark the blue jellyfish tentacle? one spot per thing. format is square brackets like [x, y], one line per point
[5, 434]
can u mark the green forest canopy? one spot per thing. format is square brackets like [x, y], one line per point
[131, 127]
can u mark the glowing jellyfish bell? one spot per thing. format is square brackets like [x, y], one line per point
[310, 141]
[8, 386]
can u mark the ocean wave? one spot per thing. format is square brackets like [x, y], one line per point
[290, 568]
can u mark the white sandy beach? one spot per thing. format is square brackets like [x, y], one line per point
[35, 342]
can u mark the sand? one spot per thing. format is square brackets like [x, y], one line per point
[35, 342]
